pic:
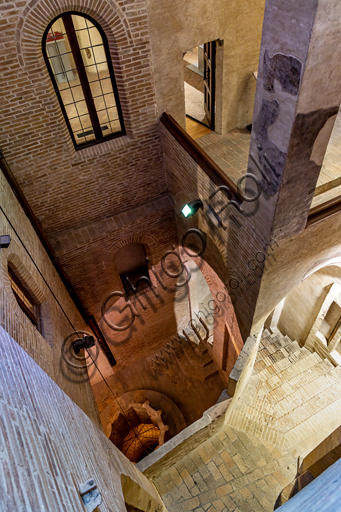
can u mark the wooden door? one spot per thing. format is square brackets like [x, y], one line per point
[209, 81]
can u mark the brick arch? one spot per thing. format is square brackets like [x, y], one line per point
[25, 278]
[147, 240]
[222, 348]
[38, 14]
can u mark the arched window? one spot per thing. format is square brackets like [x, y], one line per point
[77, 56]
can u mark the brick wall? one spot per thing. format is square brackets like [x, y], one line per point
[50, 447]
[92, 201]
[236, 254]
[26, 255]
[94, 182]
[162, 316]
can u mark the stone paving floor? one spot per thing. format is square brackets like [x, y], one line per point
[229, 151]
[230, 472]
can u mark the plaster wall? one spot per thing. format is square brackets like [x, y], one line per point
[303, 303]
[297, 257]
[178, 26]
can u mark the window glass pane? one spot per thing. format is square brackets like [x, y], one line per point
[84, 136]
[56, 29]
[91, 73]
[67, 78]
[99, 56]
[109, 100]
[95, 88]
[84, 40]
[99, 103]
[115, 126]
[60, 56]
[106, 86]
[23, 296]
[103, 117]
[113, 114]
[79, 22]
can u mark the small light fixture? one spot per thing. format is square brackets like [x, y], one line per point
[85, 342]
[191, 208]
[5, 240]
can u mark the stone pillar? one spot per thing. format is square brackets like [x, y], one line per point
[298, 96]
[272, 323]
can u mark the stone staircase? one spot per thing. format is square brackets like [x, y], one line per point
[187, 354]
[291, 402]
[293, 398]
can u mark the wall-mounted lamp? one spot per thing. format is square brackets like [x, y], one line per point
[85, 342]
[5, 240]
[191, 208]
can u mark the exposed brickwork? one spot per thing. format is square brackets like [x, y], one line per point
[230, 472]
[90, 183]
[44, 348]
[288, 407]
[195, 386]
[98, 196]
[88, 253]
[232, 252]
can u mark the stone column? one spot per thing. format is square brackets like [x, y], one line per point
[298, 96]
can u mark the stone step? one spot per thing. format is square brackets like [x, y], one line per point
[270, 373]
[272, 344]
[299, 381]
[260, 405]
[256, 413]
[305, 393]
[310, 433]
[195, 357]
[265, 333]
[308, 409]
[193, 368]
[278, 409]
[240, 419]
[276, 340]
[269, 359]
[285, 370]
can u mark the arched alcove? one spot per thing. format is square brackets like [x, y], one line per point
[311, 312]
[132, 265]
[138, 499]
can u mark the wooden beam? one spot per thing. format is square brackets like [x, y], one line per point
[213, 171]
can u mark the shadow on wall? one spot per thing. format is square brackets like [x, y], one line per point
[302, 305]
[138, 499]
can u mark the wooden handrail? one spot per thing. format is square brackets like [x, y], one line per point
[51, 254]
[324, 210]
[213, 171]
